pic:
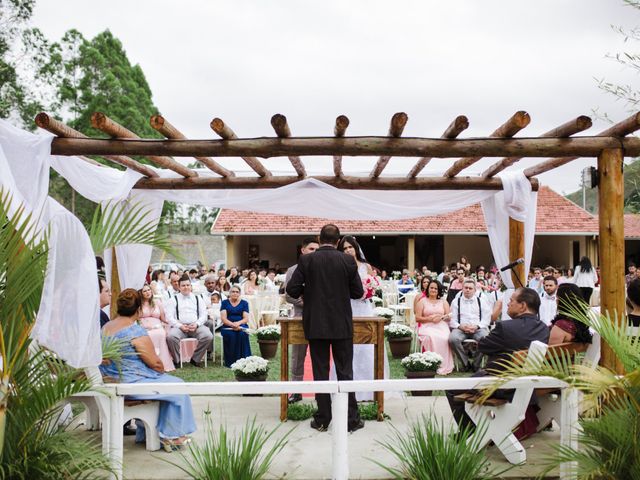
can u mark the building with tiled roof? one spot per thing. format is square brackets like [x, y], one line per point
[564, 232]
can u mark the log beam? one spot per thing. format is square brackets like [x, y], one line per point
[517, 122]
[347, 182]
[279, 124]
[46, 122]
[516, 251]
[350, 146]
[100, 121]
[342, 122]
[565, 130]
[224, 131]
[159, 123]
[611, 245]
[396, 127]
[621, 129]
[460, 124]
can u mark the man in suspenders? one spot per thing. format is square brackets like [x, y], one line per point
[187, 314]
[470, 319]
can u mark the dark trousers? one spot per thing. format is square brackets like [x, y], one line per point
[342, 350]
[586, 293]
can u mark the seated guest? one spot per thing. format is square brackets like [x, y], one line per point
[432, 317]
[214, 311]
[152, 318]
[565, 328]
[223, 286]
[187, 314]
[507, 337]
[456, 285]
[405, 284]
[633, 297]
[470, 319]
[105, 299]
[234, 313]
[140, 364]
[158, 283]
[251, 287]
[548, 302]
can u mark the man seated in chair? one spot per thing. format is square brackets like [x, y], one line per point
[470, 319]
[507, 337]
[405, 284]
[187, 314]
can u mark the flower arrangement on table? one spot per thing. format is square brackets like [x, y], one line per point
[422, 362]
[383, 312]
[269, 332]
[397, 330]
[250, 367]
[377, 301]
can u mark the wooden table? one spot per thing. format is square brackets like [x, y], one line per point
[366, 330]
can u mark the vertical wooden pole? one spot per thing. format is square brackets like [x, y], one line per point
[516, 251]
[115, 284]
[411, 254]
[611, 245]
[231, 254]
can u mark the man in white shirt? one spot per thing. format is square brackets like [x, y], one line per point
[174, 288]
[470, 319]
[187, 314]
[548, 304]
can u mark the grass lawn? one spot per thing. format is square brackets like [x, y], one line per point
[216, 373]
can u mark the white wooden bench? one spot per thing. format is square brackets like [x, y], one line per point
[500, 416]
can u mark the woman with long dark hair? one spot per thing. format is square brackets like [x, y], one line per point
[585, 277]
[565, 327]
[432, 316]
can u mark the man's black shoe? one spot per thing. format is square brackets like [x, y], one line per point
[295, 398]
[357, 426]
[128, 429]
[196, 364]
[318, 426]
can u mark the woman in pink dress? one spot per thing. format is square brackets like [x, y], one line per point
[432, 316]
[153, 320]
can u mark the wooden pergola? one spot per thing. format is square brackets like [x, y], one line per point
[558, 146]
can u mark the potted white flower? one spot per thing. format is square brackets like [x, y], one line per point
[268, 338]
[377, 301]
[250, 369]
[399, 337]
[421, 365]
[383, 312]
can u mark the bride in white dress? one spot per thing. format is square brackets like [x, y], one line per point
[362, 354]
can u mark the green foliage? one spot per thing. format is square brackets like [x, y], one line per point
[232, 457]
[301, 411]
[431, 451]
[369, 411]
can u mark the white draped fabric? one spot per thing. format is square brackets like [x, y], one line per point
[309, 197]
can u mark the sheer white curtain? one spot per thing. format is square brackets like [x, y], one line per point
[30, 161]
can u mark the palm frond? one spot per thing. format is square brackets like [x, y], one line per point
[114, 225]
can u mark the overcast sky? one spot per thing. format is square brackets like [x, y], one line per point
[243, 61]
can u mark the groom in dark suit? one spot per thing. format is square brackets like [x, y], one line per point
[328, 279]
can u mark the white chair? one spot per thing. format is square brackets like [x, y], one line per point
[269, 309]
[188, 346]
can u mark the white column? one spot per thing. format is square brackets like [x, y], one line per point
[339, 425]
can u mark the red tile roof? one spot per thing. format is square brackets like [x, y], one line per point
[632, 225]
[556, 215]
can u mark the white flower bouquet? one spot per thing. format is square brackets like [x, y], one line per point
[383, 312]
[397, 330]
[250, 367]
[422, 362]
[269, 332]
[377, 301]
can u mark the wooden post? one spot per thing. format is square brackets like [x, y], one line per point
[115, 284]
[411, 254]
[611, 244]
[231, 254]
[516, 250]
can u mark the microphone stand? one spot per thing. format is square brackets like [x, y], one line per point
[517, 276]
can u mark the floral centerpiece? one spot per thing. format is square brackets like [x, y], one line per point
[400, 338]
[377, 301]
[397, 330]
[421, 365]
[422, 362]
[250, 368]
[268, 337]
[383, 312]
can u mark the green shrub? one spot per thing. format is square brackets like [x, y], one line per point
[301, 411]
[369, 411]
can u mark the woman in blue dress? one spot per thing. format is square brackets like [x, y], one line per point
[234, 313]
[140, 363]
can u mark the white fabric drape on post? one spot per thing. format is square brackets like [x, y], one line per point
[308, 197]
